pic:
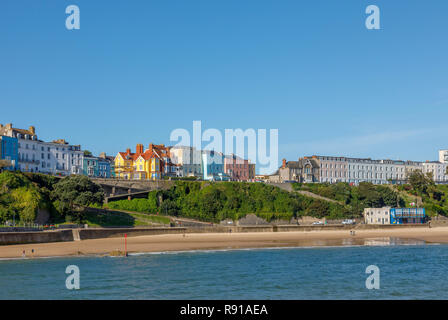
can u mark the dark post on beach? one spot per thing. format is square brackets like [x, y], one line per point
[125, 245]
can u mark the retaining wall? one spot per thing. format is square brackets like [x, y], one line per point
[7, 238]
[35, 237]
[96, 233]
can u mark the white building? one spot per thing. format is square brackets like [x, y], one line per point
[356, 170]
[437, 169]
[443, 156]
[189, 158]
[57, 157]
[377, 215]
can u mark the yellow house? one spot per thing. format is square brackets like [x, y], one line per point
[138, 166]
[124, 165]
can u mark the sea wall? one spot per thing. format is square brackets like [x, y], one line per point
[35, 237]
[7, 238]
[96, 233]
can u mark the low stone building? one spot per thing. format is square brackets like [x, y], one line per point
[304, 170]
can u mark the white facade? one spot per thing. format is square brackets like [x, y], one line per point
[438, 170]
[57, 157]
[443, 156]
[189, 158]
[377, 215]
[356, 170]
[60, 158]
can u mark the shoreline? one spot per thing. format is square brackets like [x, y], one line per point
[165, 243]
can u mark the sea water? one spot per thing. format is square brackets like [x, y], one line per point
[406, 272]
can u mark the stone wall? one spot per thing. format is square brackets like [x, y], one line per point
[35, 237]
[96, 233]
[251, 220]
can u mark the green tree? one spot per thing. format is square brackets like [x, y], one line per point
[72, 194]
[420, 182]
[318, 209]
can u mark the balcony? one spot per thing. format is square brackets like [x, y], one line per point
[36, 162]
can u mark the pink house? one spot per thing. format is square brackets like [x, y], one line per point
[237, 168]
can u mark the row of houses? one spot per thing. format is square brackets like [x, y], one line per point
[26, 152]
[158, 161]
[329, 169]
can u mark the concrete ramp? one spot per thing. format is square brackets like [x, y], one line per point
[76, 236]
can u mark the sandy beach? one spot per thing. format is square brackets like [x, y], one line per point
[213, 241]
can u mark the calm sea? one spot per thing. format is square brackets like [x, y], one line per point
[406, 272]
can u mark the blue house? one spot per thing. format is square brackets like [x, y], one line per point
[96, 167]
[104, 168]
[213, 166]
[407, 215]
[9, 150]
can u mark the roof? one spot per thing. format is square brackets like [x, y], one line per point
[23, 131]
[301, 163]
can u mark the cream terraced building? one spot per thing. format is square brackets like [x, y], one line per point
[437, 169]
[329, 169]
[356, 170]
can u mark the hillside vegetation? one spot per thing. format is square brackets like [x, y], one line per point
[232, 200]
[420, 190]
[23, 195]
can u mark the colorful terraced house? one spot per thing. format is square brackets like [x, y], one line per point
[142, 165]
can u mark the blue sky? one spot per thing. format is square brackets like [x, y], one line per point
[136, 70]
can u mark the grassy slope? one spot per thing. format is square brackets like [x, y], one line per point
[125, 219]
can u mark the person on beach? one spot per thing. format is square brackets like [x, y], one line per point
[23, 253]
[32, 253]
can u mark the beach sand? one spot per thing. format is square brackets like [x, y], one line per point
[213, 241]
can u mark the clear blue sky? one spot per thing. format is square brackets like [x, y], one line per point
[136, 70]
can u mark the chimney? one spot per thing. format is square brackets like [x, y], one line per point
[284, 163]
[102, 155]
[150, 147]
[128, 151]
[9, 126]
[139, 148]
[32, 130]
